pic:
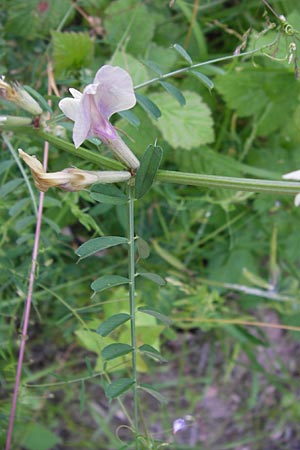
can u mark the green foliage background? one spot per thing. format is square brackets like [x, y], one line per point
[213, 246]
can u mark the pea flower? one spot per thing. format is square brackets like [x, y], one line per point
[70, 179]
[111, 92]
[16, 94]
[295, 176]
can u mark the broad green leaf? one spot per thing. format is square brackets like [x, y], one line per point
[118, 387]
[96, 245]
[148, 105]
[182, 52]
[174, 91]
[204, 79]
[150, 351]
[108, 281]
[150, 162]
[156, 314]
[262, 94]
[37, 437]
[129, 21]
[113, 351]
[142, 248]
[65, 58]
[91, 341]
[108, 193]
[10, 186]
[185, 127]
[153, 392]
[34, 19]
[112, 323]
[153, 277]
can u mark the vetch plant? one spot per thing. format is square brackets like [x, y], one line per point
[112, 91]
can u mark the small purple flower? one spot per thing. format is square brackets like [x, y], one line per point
[178, 425]
[111, 92]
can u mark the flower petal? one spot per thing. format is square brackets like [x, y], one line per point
[297, 200]
[34, 164]
[295, 175]
[83, 122]
[76, 94]
[114, 90]
[69, 107]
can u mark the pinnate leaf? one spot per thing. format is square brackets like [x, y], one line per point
[150, 162]
[108, 281]
[174, 91]
[182, 52]
[153, 277]
[156, 314]
[153, 392]
[148, 105]
[143, 248]
[108, 193]
[96, 245]
[113, 351]
[204, 79]
[118, 387]
[112, 323]
[152, 352]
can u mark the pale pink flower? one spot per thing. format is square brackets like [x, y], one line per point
[111, 92]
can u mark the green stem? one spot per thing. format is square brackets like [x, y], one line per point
[131, 276]
[239, 184]
[191, 179]
[195, 66]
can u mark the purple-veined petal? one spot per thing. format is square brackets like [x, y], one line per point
[104, 130]
[114, 90]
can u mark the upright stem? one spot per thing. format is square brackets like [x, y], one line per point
[131, 276]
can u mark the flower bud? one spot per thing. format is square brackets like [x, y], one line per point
[14, 93]
[70, 179]
[11, 122]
